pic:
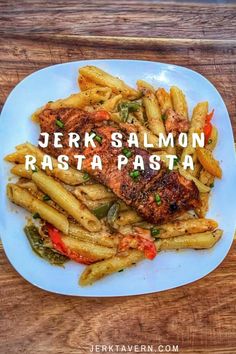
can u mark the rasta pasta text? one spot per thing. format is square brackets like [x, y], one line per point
[96, 163]
[89, 140]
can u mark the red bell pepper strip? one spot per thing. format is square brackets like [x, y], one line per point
[59, 245]
[209, 116]
[135, 241]
[208, 126]
[148, 247]
[145, 242]
[101, 115]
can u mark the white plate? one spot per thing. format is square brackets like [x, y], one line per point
[169, 269]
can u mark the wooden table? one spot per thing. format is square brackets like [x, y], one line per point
[199, 317]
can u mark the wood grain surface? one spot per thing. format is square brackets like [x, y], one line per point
[146, 18]
[199, 317]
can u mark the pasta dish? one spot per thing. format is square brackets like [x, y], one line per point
[102, 189]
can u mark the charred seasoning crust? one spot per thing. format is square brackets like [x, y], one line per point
[175, 193]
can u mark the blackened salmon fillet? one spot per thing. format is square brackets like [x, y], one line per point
[158, 196]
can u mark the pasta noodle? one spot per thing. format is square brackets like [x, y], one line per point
[98, 270]
[128, 217]
[110, 104]
[102, 237]
[197, 124]
[70, 176]
[152, 109]
[179, 101]
[201, 187]
[92, 251]
[86, 84]
[182, 227]
[164, 100]
[196, 241]
[102, 78]
[22, 197]
[94, 192]
[82, 99]
[77, 100]
[66, 200]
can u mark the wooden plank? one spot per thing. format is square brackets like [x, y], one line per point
[147, 18]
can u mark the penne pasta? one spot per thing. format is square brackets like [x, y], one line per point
[211, 144]
[153, 113]
[94, 192]
[101, 238]
[199, 115]
[71, 176]
[208, 162]
[197, 168]
[123, 206]
[15, 157]
[66, 200]
[35, 115]
[86, 84]
[82, 99]
[19, 170]
[30, 186]
[206, 178]
[116, 117]
[23, 198]
[98, 270]
[102, 78]
[165, 103]
[86, 249]
[186, 216]
[197, 124]
[93, 204]
[111, 104]
[152, 138]
[204, 202]
[140, 116]
[201, 187]
[144, 87]
[179, 101]
[183, 227]
[77, 100]
[152, 109]
[128, 217]
[196, 241]
[164, 100]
